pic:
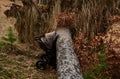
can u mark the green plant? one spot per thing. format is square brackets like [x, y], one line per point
[10, 38]
[98, 71]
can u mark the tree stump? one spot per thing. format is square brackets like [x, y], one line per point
[68, 66]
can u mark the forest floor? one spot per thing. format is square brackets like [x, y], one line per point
[16, 65]
[21, 64]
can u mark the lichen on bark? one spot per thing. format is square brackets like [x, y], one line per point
[68, 66]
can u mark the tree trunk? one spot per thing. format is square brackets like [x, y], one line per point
[68, 66]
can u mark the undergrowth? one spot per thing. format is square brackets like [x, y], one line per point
[19, 64]
[99, 68]
[7, 42]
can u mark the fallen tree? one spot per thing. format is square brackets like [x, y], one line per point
[68, 66]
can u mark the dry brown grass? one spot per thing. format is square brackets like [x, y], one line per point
[93, 16]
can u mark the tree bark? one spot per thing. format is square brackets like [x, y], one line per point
[68, 66]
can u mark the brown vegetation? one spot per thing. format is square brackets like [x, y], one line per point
[66, 20]
[95, 21]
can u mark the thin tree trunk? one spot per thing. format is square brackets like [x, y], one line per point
[68, 66]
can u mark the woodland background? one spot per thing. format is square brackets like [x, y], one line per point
[96, 36]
